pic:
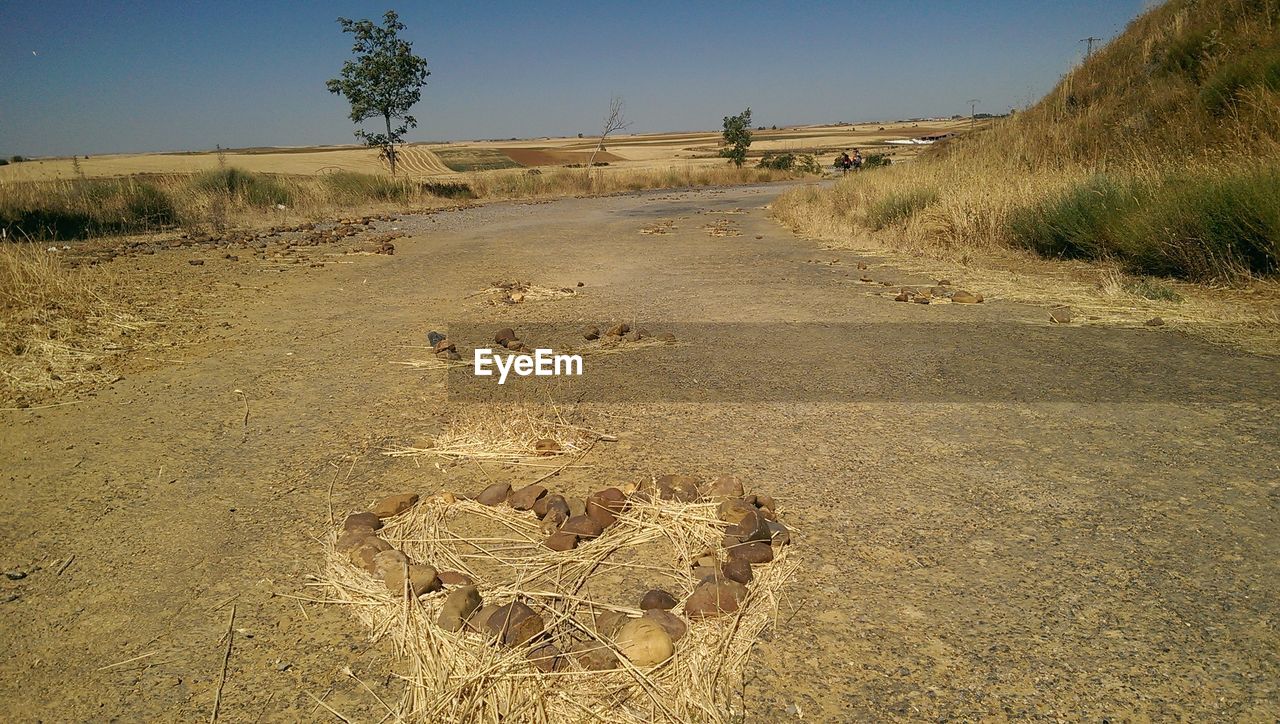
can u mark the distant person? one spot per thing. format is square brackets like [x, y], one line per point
[856, 162]
[844, 163]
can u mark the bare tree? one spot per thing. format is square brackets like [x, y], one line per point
[615, 121]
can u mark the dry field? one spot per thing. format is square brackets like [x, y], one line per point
[643, 151]
[995, 516]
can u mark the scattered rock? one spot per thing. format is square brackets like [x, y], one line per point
[644, 642]
[495, 494]
[921, 299]
[196, 262]
[455, 578]
[582, 526]
[862, 265]
[434, 337]
[752, 527]
[547, 446]
[15, 575]
[608, 623]
[752, 552]
[712, 598]
[352, 539]
[964, 297]
[546, 658]
[681, 488]
[525, 498]
[459, 606]
[504, 335]
[561, 541]
[393, 505]
[903, 296]
[657, 598]
[422, 579]
[633, 336]
[944, 282]
[675, 627]
[444, 346]
[733, 510]
[577, 506]
[619, 329]
[590, 333]
[725, 486]
[581, 284]
[1060, 315]
[779, 534]
[737, 569]
[515, 623]
[388, 560]
[760, 500]
[557, 511]
[361, 521]
[363, 554]
[594, 655]
[667, 337]
[1155, 322]
[480, 621]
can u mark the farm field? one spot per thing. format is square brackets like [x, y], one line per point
[642, 151]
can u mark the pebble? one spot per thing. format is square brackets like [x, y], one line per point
[393, 505]
[1060, 315]
[458, 606]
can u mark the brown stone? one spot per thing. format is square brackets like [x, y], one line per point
[514, 345]
[1060, 315]
[964, 297]
[644, 642]
[667, 337]
[725, 486]
[515, 623]
[363, 554]
[495, 494]
[352, 539]
[944, 282]
[706, 573]
[393, 505]
[526, 497]
[389, 560]
[548, 502]
[478, 621]
[779, 534]
[611, 498]
[618, 330]
[594, 655]
[455, 578]
[591, 332]
[546, 658]
[753, 552]
[547, 446]
[607, 624]
[422, 579]
[737, 569]
[761, 501]
[633, 336]
[600, 514]
[444, 345]
[681, 488]
[675, 626]
[366, 521]
[557, 513]
[582, 526]
[921, 299]
[577, 506]
[751, 527]
[734, 510]
[712, 598]
[561, 541]
[502, 336]
[903, 296]
[657, 598]
[1154, 322]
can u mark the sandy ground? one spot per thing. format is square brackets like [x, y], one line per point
[637, 150]
[997, 519]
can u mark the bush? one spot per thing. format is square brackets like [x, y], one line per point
[876, 160]
[898, 206]
[253, 188]
[1195, 227]
[16, 159]
[1185, 54]
[4, 162]
[1227, 85]
[777, 162]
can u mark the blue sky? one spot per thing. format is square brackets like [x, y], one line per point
[100, 77]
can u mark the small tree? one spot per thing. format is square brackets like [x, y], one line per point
[385, 80]
[615, 121]
[737, 136]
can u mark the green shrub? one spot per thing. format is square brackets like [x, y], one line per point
[253, 188]
[352, 187]
[777, 162]
[1152, 289]
[1185, 54]
[876, 160]
[1074, 224]
[897, 207]
[1229, 83]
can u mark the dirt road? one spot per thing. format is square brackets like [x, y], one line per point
[997, 518]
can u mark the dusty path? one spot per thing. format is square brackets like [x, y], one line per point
[999, 519]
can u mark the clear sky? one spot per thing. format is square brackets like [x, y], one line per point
[86, 76]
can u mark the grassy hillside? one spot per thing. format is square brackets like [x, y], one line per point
[1162, 151]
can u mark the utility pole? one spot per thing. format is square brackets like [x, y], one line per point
[973, 111]
[1089, 48]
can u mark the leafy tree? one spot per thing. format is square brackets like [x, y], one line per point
[385, 80]
[737, 137]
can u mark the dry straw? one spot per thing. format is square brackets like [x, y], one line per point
[479, 433]
[463, 676]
